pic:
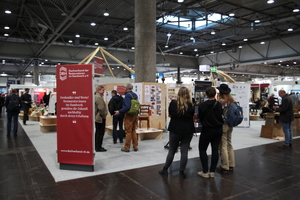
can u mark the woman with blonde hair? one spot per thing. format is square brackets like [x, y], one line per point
[181, 128]
[226, 149]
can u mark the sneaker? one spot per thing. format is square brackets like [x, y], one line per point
[125, 150]
[230, 168]
[101, 150]
[212, 174]
[163, 172]
[204, 175]
[135, 149]
[222, 170]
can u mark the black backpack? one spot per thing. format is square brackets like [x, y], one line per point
[14, 103]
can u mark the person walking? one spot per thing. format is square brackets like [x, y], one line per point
[181, 128]
[286, 110]
[226, 149]
[2, 101]
[26, 104]
[210, 115]
[100, 118]
[13, 105]
[114, 104]
[130, 121]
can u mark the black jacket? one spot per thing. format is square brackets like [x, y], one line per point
[210, 118]
[7, 101]
[26, 97]
[115, 103]
[286, 110]
[181, 124]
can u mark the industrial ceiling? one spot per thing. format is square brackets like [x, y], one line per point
[195, 32]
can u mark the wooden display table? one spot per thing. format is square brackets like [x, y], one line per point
[109, 129]
[254, 117]
[144, 133]
[34, 118]
[47, 123]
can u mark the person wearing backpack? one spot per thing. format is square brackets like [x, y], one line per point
[226, 149]
[13, 105]
[26, 104]
[114, 104]
[130, 120]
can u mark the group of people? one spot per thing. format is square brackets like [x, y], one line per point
[118, 108]
[214, 131]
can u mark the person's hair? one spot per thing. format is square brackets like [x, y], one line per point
[129, 86]
[14, 91]
[282, 91]
[114, 92]
[99, 87]
[227, 97]
[26, 89]
[183, 99]
[210, 92]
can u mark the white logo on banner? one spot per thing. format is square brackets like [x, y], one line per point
[63, 73]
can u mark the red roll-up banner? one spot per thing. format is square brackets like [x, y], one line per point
[98, 66]
[75, 117]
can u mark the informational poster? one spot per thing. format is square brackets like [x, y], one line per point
[241, 93]
[75, 127]
[98, 66]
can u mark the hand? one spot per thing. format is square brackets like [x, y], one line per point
[117, 112]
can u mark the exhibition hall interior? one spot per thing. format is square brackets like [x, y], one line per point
[62, 50]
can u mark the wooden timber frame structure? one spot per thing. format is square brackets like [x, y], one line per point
[88, 59]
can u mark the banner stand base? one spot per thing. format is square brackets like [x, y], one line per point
[65, 166]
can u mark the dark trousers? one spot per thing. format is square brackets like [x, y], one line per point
[14, 116]
[175, 139]
[118, 134]
[99, 134]
[213, 136]
[25, 116]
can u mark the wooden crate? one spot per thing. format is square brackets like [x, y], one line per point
[34, 118]
[47, 123]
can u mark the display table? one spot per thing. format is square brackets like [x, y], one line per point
[144, 133]
[47, 123]
[254, 117]
[273, 129]
[34, 118]
[109, 129]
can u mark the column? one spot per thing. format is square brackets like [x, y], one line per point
[36, 72]
[145, 40]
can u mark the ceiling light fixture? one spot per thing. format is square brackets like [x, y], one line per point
[77, 35]
[181, 53]
[195, 49]
[7, 11]
[212, 32]
[96, 43]
[132, 48]
[212, 52]
[6, 35]
[240, 46]
[106, 13]
[125, 28]
[192, 38]
[245, 39]
[231, 14]
[93, 24]
[262, 42]
[70, 41]
[257, 21]
[270, 1]
[290, 29]
[223, 44]
[197, 55]
[180, 1]
[106, 38]
[166, 46]
[6, 27]
[169, 34]
[3, 62]
[296, 10]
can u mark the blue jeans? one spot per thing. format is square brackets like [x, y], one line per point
[13, 115]
[118, 134]
[288, 135]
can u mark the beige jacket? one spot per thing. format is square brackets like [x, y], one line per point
[100, 109]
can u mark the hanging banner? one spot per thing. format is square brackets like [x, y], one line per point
[98, 66]
[75, 127]
[241, 93]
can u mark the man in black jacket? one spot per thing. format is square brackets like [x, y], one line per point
[13, 111]
[286, 117]
[114, 104]
[26, 104]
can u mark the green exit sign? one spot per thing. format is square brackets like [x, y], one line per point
[213, 69]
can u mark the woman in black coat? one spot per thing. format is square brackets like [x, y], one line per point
[181, 129]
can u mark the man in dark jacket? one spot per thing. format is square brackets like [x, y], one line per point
[12, 112]
[26, 104]
[286, 117]
[114, 104]
[130, 121]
